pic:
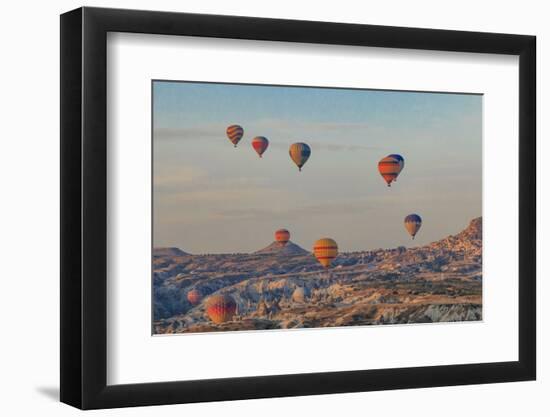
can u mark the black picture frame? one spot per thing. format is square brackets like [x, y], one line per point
[84, 207]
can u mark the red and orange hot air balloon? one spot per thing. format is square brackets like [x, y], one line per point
[282, 236]
[389, 167]
[260, 144]
[235, 134]
[325, 250]
[194, 297]
[221, 308]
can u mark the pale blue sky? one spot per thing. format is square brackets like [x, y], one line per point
[212, 198]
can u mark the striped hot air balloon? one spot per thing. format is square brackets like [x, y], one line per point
[234, 133]
[221, 308]
[282, 236]
[389, 168]
[400, 159]
[325, 250]
[299, 152]
[412, 224]
[194, 296]
[260, 144]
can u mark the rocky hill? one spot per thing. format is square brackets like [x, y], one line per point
[167, 252]
[433, 283]
[277, 249]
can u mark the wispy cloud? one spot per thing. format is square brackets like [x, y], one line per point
[321, 146]
[329, 209]
[188, 133]
[282, 133]
[313, 126]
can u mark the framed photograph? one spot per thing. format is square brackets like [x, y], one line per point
[257, 208]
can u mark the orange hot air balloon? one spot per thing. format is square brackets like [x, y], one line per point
[389, 167]
[260, 144]
[282, 236]
[194, 296]
[325, 250]
[221, 308]
[299, 152]
[235, 134]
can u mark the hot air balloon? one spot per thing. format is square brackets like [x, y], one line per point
[325, 250]
[412, 224]
[234, 133]
[389, 168]
[194, 296]
[299, 153]
[400, 159]
[282, 236]
[221, 308]
[260, 144]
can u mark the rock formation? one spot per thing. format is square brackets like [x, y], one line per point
[437, 282]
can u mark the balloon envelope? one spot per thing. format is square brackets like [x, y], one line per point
[412, 224]
[194, 297]
[235, 134]
[389, 168]
[325, 250]
[221, 308]
[299, 152]
[260, 144]
[282, 236]
[400, 159]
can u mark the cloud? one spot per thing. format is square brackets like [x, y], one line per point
[190, 178]
[328, 209]
[322, 146]
[187, 133]
[172, 180]
[190, 186]
[310, 125]
[282, 133]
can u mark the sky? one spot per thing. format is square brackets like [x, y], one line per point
[209, 197]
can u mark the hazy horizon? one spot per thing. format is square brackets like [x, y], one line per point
[209, 197]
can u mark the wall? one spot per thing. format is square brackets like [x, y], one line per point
[29, 211]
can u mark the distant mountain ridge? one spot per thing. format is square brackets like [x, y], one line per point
[277, 249]
[169, 251]
[469, 238]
